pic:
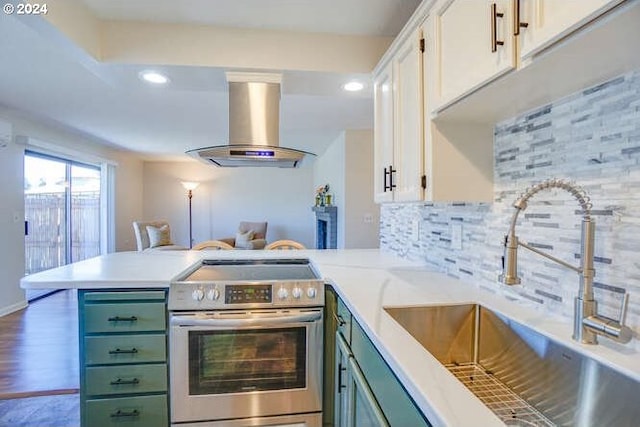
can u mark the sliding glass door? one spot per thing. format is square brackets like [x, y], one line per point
[62, 212]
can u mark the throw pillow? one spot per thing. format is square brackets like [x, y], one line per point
[243, 240]
[159, 236]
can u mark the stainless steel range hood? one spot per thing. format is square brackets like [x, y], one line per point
[254, 126]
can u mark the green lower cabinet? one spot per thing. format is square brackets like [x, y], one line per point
[106, 380]
[355, 405]
[125, 317]
[120, 349]
[342, 399]
[364, 410]
[142, 411]
[366, 392]
[123, 353]
[396, 404]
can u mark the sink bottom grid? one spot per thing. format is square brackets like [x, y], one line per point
[503, 402]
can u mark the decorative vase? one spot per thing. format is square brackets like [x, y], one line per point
[327, 199]
[318, 200]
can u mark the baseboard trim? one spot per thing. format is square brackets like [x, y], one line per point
[38, 393]
[13, 307]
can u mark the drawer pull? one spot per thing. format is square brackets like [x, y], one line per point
[118, 351]
[121, 414]
[123, 319]
[340, 320]
[120, 381]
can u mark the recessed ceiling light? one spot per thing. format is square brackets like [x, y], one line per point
[154, 77]
[353, 86]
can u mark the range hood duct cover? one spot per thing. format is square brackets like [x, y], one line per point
[254, 126]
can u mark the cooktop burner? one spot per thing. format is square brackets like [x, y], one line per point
[252, 270]
[218, 284]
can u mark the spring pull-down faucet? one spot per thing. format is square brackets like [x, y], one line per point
[587, 324]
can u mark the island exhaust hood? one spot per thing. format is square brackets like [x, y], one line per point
[254, 126]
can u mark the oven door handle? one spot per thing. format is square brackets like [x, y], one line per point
[245, 321]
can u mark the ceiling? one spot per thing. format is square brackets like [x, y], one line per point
[78, 67]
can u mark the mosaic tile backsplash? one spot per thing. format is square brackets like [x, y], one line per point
[591, 138]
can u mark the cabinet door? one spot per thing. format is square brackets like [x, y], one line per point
[364, 409]
[125, 349]
[475, 45]
[408, 141]
[124, 317]
[383, 135]
[139, 411]
[341, 395]
[547, 21]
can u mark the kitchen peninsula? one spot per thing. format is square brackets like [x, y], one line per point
[367, 282]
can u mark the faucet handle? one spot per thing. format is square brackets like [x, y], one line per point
[623, 309]
[610, 328]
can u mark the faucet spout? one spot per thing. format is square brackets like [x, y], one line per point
[587, 324]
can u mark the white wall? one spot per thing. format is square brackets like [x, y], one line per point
[347, 166]
[60, 141]
[12, 231]
[226, 196]
[329, 169]
[359, 203]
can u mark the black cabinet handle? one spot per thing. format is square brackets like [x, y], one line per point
[122, 319]
[121, 414]
[392, 171]
[118, 351]
[340, 320]
[494, 28]
[120, 381]
[340, 385]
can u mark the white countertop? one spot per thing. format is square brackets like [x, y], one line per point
[367, 281]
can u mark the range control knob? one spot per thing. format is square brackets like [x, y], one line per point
[197, 294]
[213, 294]
[311, 293]
[296, 292]
[283, 293]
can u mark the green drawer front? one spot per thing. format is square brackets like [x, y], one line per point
[393, 399]
[109, 380]
[124, 317]
[117, 349]
[344, 321]
[124, 296]
[144, 411]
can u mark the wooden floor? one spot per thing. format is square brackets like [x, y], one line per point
[39, 348]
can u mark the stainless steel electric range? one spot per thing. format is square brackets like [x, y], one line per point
[246, 344]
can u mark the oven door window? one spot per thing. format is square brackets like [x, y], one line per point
[247, 360]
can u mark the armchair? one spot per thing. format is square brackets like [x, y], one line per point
[250, 235]
[154, 235]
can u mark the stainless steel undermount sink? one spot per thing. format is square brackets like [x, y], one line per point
[522, 376]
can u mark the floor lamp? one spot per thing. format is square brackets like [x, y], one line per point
[190, 186]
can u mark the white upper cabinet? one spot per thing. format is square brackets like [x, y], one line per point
[544, 22]
[383, 134]
[408, 86]
[398, 131]
[474, 45]
[459, 66]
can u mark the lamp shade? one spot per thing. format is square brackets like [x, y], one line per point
[190, 185]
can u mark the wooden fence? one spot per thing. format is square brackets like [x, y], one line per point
[45, 245]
